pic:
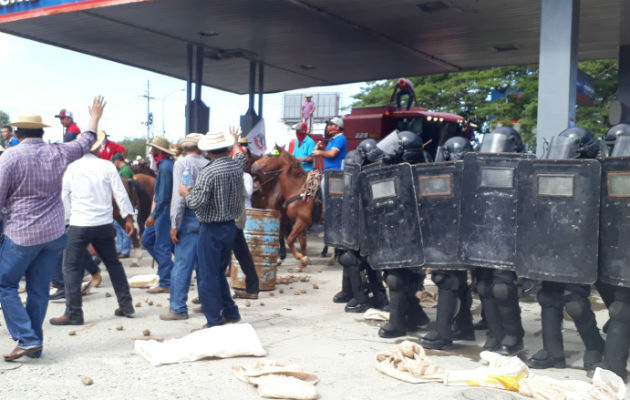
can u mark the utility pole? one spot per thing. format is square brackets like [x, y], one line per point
[149, 121]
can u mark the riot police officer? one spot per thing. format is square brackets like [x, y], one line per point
[452, 284]
[405, 310]
[497, 288]
[572, 143]
[613, 281]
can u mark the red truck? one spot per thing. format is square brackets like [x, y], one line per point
[376, 122]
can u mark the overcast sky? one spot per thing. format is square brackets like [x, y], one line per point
[42, 79]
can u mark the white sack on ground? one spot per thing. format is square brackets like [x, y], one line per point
[375, 314]
[144, 281]
[408, 362]
[278, 381]
[506, 373]
[232, 340]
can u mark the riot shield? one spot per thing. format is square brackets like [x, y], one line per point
[390, 216]
[439, 196]
[488, 229]
[614, 222]
[558, 220]
[350, 227]
[333, 203]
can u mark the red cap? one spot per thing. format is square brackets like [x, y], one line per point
[64, 113]
[402, 82]
[303, 127]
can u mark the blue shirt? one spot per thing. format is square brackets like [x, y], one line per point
[338, 142]
[304, 150]
[11, 142]
[163, 187]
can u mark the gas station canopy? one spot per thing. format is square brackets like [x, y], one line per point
[316, 42]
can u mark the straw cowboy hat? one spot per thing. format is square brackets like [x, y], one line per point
[29, 121]
[191, 140]
[243, 141]
[100, 137]
[161, 143]
[215, 141]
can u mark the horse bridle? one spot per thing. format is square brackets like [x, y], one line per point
[273, 174]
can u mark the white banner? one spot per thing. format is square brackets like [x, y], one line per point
[256, 140]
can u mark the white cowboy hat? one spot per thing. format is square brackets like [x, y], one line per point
[215, 141]
[29, 121]
[100, 137]
[191, 140]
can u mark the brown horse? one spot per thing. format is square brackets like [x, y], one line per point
[140, 192]
[290, 180]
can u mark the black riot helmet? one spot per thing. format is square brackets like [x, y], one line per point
[454, 149]
[369, 152]
[502, 140]
[573, 143]
[614, 132]
[353, 157]
[402, 146]
[412, 148]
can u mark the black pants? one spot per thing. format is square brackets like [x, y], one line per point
[499, 298]
[245, 260]
[102, 239]
[452, 286]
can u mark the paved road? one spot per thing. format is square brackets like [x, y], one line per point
[307, 329]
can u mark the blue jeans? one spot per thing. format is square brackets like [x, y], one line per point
[214, 248]
[157, 240]
[37, 264]
[185, 262]
[123, 243]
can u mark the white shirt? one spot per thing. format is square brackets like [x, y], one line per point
[89, 184]
[248, 182]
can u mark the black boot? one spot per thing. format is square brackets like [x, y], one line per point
[617, 347]
[346, 291]
[398, 306]
[358, 294]
[552, 354]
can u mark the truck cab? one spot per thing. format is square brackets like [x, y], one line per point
[376, 122]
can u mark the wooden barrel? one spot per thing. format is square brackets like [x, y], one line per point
[262, 231]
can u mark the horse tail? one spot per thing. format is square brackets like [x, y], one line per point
[144, 203]
[317, 206]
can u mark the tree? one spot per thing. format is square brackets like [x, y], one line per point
[468, 94]
[4, 118]
[136, 147]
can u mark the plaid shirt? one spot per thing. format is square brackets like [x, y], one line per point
[30, 187]
[218, 192]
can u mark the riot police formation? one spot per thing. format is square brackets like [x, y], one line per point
[562, 221]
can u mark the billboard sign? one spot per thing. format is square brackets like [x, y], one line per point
[585, 95]
[326, 106]
[13, 10]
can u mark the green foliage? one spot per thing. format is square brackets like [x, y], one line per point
[4, 118]
[136, 147]
[467, 94]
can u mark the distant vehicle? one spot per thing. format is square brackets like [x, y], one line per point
[376, 122]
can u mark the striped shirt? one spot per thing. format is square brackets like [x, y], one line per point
[218, 192]
[30, 187]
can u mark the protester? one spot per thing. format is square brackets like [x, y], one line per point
[216, 199]
[156, 238]
[70, 128]
[123, 243]
[88, 187]
[8, 140]
[334, 154]
[109, 148]
[30, 191]
[184, 228]
[404, 87]
[302, 147]
[307, 111]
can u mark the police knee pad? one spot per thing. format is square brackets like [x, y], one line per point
[347, 259]
[619, 311]
[438, 277]
[448, 281]
[503, 291]
[576, 308]
[546, 299]
[394, 281]
[484, 289]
